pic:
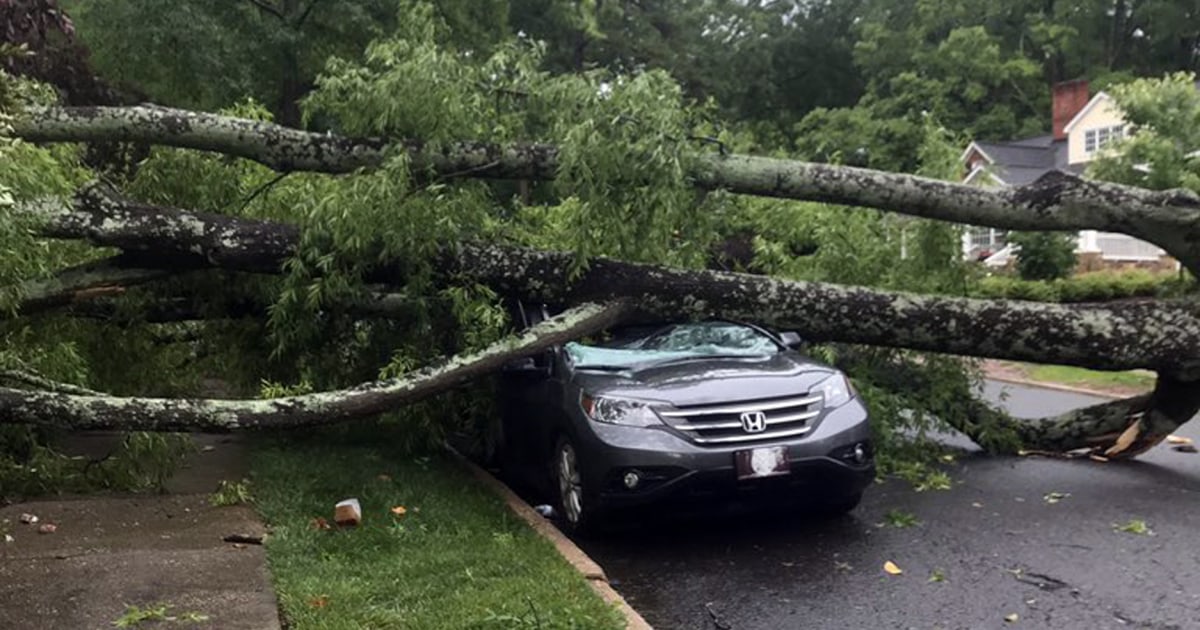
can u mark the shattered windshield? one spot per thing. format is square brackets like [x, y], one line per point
[644, 345]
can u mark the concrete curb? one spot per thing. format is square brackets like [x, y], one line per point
[1054, 386]
[568, 550]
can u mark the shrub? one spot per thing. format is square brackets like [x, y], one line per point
[1044, 255]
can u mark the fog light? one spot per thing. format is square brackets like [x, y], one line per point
[860, 453]
[632, 479]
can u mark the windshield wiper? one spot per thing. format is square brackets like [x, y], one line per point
[604, 368]
[701, 357]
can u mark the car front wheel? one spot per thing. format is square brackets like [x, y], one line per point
[573, 496]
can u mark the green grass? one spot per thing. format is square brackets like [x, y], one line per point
[457, 558]
[1081, 377]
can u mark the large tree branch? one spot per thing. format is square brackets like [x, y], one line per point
[90, 411]
[1059, 201]
[1160, 335]
[101, 278]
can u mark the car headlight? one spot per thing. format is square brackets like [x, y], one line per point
[836, 390]
[632, 413]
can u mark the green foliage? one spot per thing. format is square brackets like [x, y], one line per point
[1044, 255]
[1161, 153]
[156, 615]
[231, 493]
[900, 519]
[1096, 286]
[30, 465]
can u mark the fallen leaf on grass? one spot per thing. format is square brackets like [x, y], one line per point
[319, 602]
[1179, 439]
[383, 477]
[319, 523]
[399, 510]
[891, 568]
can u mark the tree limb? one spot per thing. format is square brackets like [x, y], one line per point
[107, 277]
[1058, 201]
[1160, 335]
[80, 412]
[37, 381]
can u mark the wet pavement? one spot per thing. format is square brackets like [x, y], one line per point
[996, 545]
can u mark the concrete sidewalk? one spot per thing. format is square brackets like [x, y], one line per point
[110, 552]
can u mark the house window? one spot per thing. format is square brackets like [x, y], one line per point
[1095, 139]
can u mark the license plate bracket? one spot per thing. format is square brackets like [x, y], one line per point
[765, 461]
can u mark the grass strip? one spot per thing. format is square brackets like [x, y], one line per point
[453, 557]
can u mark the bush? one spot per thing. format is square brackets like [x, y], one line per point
[1044, 255]
[1096, 286]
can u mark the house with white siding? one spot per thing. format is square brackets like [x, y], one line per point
[1083, 124]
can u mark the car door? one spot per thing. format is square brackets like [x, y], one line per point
[530, 389]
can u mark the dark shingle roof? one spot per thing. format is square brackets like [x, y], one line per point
[1023, 161]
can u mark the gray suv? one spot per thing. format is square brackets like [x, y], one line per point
[654, 413]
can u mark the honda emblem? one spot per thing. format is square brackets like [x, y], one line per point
[754, 421]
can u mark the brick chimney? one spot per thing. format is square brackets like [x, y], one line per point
[1069, 98]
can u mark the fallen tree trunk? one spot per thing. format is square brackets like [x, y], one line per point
[73, 408]
[1162, 336]
[1058, 201]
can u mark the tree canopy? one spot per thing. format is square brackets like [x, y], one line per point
[332, 223]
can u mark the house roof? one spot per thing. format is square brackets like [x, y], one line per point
[1095, 100]
[1022, 161]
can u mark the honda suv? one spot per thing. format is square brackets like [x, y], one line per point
[672, 411]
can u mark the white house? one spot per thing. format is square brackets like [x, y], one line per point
[1082, 126]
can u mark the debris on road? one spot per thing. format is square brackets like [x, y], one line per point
[1180, 440]
[1012, 618]
[1055, 497]
[28, 519]
[891, 568]
[47, 528]
[347, 513]
[545, 510]
[247, 539]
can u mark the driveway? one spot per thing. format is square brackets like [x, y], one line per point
[996, 551]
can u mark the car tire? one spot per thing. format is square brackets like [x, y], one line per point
[838, 505]
[573, 499]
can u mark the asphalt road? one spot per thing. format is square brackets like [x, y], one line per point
[999, 546]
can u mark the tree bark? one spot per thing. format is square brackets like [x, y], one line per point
[71, 408]
[1163, 336]
[107, 277]
[1058, 201]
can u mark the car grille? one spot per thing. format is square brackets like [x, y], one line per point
[722, 424]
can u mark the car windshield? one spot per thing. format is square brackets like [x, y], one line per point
[642, 345]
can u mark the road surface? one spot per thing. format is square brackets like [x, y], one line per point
[999, 547]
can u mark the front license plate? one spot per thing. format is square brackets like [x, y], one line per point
[767, 461]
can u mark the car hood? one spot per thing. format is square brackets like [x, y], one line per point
[703, 381]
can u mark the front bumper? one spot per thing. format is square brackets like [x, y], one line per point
[671, 467]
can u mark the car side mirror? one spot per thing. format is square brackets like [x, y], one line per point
[792, 340]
